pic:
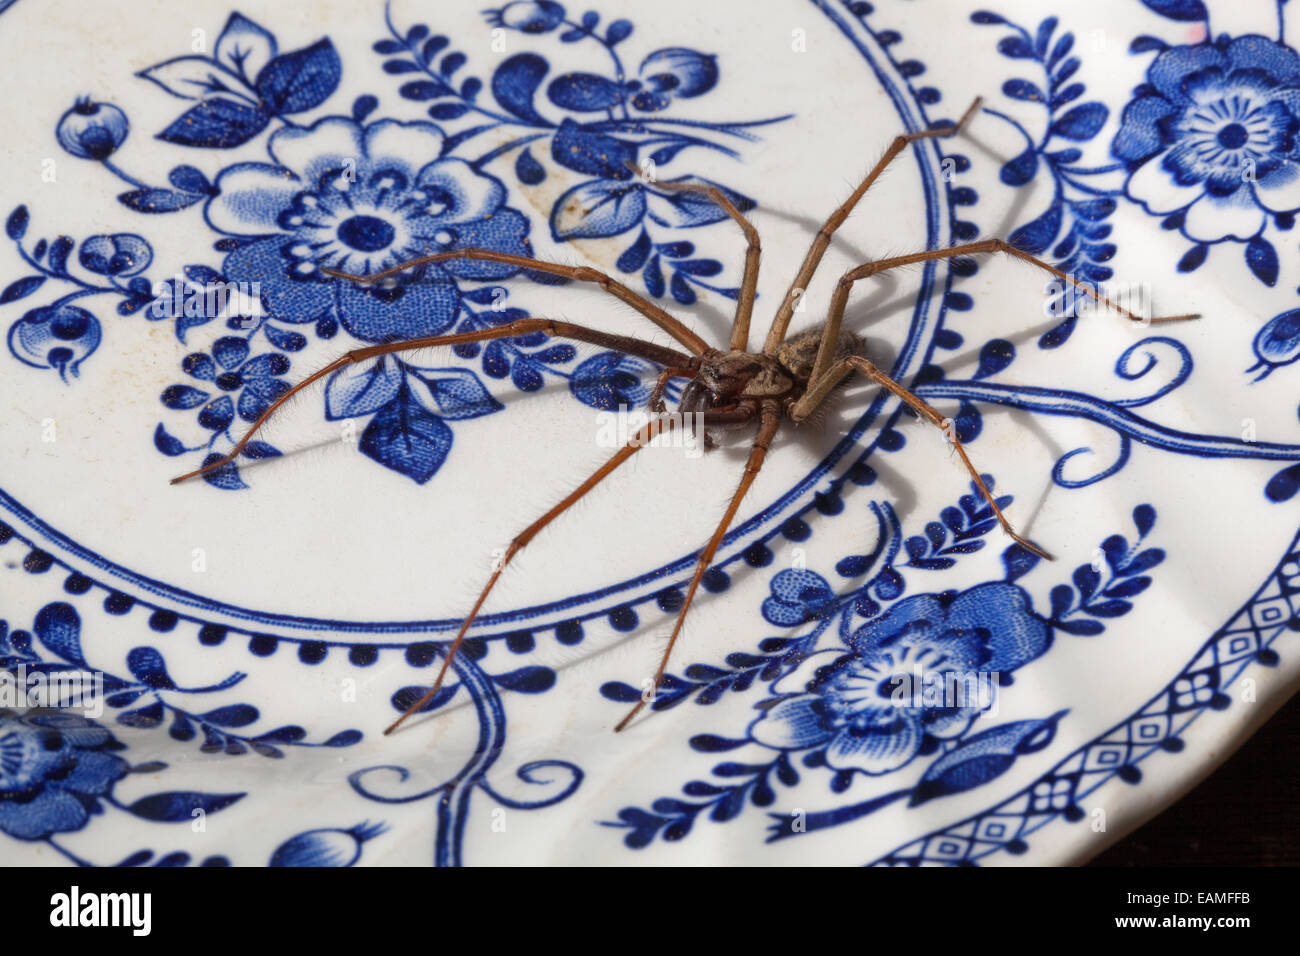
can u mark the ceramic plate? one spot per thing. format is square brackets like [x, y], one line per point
[872, 672]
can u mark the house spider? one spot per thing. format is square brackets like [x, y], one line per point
[727, 388]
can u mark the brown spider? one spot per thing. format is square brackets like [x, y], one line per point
[730, 388]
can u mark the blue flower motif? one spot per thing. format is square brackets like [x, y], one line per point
[850, 705]
[798, 595]
[230, 369]
[361, 199]
[1213, 134]
[55, 767]
[92, 130]
[527, 16]
[1277, 343]
[121, 254]
[612, 380]
[55, 336]
[672, 73]
[326, 847]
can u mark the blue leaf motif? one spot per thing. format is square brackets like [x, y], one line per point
[362, 389]
[634, 257]
[300, 80]
[456, 393]
[1283, 485]
[1018, 48]
[995, 356]
[59, 628]
[595, 154]
[1178, 9]
[244, 46]
[179, 806]
[1144, 516]
[1019, 561]
[260, 449]
[597, 209]
[158, 200]
[984, 757]
[528, 169]
[1019, 89]
[618, 31]
[234, 715]
[191, 77]
[147, 666]
[216, 123]
[408, 439]
[167, 443]
[1192, 259]
[1020, 169]
[584, 92]
[683, 210]
[226, 477]
[16, 224]
[1036, 236]
[515, 82]
[21, 288]
[527, 680]
[1262, 259]
[1082, 122]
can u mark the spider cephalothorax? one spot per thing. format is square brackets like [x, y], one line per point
[729, 379]
[732, 387]
[739, 380]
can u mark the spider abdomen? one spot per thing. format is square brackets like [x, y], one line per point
[798, 354]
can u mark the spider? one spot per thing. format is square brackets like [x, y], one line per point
[727, 388]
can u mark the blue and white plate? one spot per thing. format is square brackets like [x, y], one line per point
[250, 635]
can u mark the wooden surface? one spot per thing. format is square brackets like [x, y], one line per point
[1243, 815]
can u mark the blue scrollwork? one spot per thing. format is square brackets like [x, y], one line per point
[455, 794]
[862, 699]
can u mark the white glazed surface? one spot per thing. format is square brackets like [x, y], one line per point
[329, 551]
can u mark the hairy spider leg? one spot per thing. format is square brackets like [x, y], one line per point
[753, 252]
[840, 298]
[688, 339]
[656, 400]
[776, 335]
[620, 343]
[769, 422]
[645, 434]
[820, 388]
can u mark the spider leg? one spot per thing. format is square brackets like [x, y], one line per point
[621, 343]
[641, 439]
[820, 388]
[656, 400]
[770, 420]
[776, 335]
[749, 283]
[692, 342]
[840, 298]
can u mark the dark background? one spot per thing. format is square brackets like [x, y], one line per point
[1243, 815]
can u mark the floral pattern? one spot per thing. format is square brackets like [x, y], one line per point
[364, 185]
[1214, 137]
[312, 210]
[55, 767]
[360, 194]
[849, 705]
